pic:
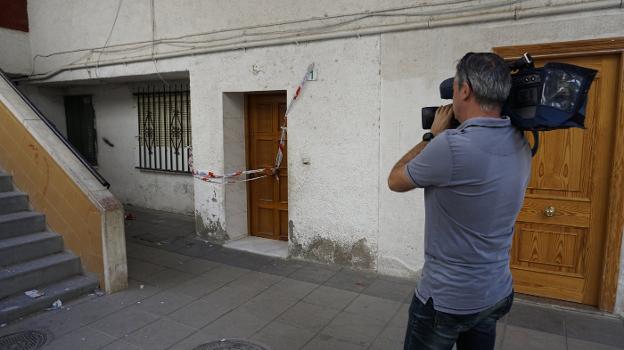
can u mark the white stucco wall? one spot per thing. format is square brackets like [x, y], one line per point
[116, 120]
[234, 160]
[330, 126]
[353, 123]
[50, 101]
[15, 57]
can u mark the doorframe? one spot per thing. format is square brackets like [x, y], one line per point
[615, 204]
[247, 146]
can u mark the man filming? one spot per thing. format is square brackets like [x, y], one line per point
[474, 178]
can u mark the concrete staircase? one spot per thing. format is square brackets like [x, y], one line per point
[31, 257]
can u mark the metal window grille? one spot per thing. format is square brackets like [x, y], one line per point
[164, 128]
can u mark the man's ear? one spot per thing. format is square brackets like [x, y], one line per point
[465, 91]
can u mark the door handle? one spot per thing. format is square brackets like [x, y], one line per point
[549, 211]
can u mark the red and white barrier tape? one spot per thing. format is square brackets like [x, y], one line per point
[209, 176]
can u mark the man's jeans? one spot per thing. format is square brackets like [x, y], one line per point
[428, 329]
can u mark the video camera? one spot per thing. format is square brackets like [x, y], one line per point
[546, 98]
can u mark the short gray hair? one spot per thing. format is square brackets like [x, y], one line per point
[488, 76]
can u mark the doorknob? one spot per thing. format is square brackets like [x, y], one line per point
[549, 211]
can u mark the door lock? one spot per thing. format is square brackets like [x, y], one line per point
[549, 211]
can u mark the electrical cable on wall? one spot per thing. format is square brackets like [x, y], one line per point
[251, 31]
[254, 174]
[110, 34]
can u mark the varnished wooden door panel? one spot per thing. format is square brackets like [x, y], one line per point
[268, 197]
[560, 255]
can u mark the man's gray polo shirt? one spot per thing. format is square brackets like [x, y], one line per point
[475, 178]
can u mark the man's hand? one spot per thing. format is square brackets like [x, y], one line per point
[442, 120]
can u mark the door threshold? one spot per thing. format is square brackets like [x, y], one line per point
[261, 246]
[548, 303]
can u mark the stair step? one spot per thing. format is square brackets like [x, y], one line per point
[13, 201]
[6, 182]
[21, 222]
[27, 275]
[19, 304]
[30, 246]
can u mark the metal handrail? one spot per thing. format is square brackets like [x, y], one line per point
[52, 127]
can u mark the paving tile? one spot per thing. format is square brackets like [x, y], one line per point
[226, 256]
[52, 327]
[209, 281]
[124, 322]
[603, 330]
[313, 274]
[85, 338]
[387, 344]
[266, 306]
[518, 338]
[150, 239]
[175, 243]
[66, 320]
[373, 307]
[168, 278]
[194, 340]
[576, 344]
[282, 336]
[257, 281]
[308, 316]
[330, 297]
[390, 290]
[226, 272]
[143, 252]
[235, 324]
[164, 303]
[501, 327]
[280, 267]
[232, 296]
[139, 269]
[537, 318]
[354, 328]
[237, 258]
[355, 281]
[135, 292]
[200, 313]
[199, 286]
[401, 317]
[325, 342]
[291, 289]
[168, 259]
[132, 248]
[120, 345]
[195, 266]
[391, 337]
[198, 249]
[159, 335]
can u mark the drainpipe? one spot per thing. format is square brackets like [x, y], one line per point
[514, 14]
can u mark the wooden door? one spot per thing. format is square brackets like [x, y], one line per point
[561, 255]
[268, 197]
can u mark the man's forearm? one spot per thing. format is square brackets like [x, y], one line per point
[410, 155]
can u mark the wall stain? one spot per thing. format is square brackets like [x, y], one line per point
[328, 251]
[210, 230]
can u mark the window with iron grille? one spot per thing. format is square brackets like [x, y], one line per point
[164, 116]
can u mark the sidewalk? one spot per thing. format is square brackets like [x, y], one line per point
[184, 293]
